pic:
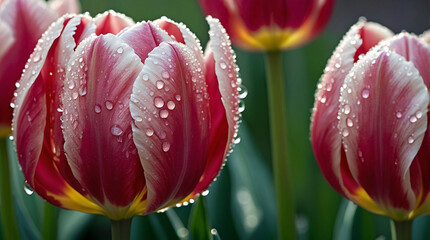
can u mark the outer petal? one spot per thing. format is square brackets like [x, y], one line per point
[384, 128]
[111, 22]
[143, 38]
[96, 124]
[27, 20]
[65, 6]
[326, 141]
[221, 77]
[170, 107]
[426, 36]
[36, 121]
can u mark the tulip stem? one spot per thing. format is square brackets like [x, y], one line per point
[8, 219]
[401, 230]
[278, 133]
[121, 229]
[50, 220]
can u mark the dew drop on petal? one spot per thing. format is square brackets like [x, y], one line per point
[349, 122]
[159, 84]
[165, 75]
[170, 105]
[116, 130]
[164, 113]
[166, 146]
[222, 65]
[120, 50]
[399, 115]
[347, 109]
[108, 105]
[345, 132]
[411, 139]
[97, 108]
[158, 102]
[413, 119]
[178, 97]
[145, 77]
[419, 114]
[149, 132]
[365, 93]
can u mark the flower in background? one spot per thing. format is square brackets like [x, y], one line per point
[22, 23]
[128, 121]
[264, 25]
[370, 131]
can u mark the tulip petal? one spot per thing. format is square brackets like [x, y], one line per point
[170, 109]
[326, 141]
[426, 36]
[111, 22]
[371, 33]
[96, 123]
[143, 38]
[6, 38]
[65, 6]
[27, 20]
[182, 34]
[221, 77]
[35, 129]
[384, 127]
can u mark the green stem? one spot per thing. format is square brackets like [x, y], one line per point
[401, 230]
[278, 133]
[50, 220]
[121, 229]
[8, 219]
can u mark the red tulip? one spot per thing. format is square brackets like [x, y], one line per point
[370, 131]
[125, 122]
[22, 23]
[265, 25]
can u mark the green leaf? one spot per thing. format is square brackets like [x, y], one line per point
[199, 223]
[344, 220]
[252, 191]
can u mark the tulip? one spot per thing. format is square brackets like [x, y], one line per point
[369, 130]
[124, 122]
[259, 25]
[22, 23]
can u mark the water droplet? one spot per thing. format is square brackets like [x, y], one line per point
[158, 102]
[120, 50]
[337, 65]
[27, 189]
[145, 77]
[413, 119]
[97, 108]
[170, 105]
[178, 97]
[75, 95]
[349, 122]
[164, 113]
[166, 146]
[347, 109]
[138, 119]
[108, 105]
[222, 65]
[160, 84]
[419, 114]
[241, 106]
[243, 92]
[323, 99]
[165, 75]
[365, 93]
[345, 132]
[36, 57]
[83, 91]
[411, 139]
[399, 114]
[149, 132]
[116, 130]
[71, 85]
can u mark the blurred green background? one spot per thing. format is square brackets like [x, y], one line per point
[241, 203]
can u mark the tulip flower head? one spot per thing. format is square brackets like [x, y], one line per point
[370, 131]
[121, 119]
[22, 23]
[270, 25]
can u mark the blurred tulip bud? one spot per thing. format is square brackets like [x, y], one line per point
[370, 132]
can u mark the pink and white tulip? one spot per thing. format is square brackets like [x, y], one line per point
[370, 131]
[22, 23]
[121, 119]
